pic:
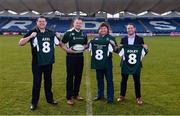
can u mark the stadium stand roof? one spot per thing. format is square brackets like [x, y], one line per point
[91, 6]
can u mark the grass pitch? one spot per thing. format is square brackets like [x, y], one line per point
[160, 79]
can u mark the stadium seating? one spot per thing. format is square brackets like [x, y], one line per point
[118, 25]
[158, 25]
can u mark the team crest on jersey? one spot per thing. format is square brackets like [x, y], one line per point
[72, 34]
[107, 39]
[82, 34]
[96, 39]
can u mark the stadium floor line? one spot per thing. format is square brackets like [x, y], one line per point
[89, 111]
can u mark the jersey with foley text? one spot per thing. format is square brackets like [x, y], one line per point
[100, 51]
[132, 56]
[45, 43]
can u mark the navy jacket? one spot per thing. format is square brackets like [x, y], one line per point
[137, 41]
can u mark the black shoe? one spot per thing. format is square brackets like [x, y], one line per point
[33, 107]
[53, 102]
[98, 98]
[110, 102]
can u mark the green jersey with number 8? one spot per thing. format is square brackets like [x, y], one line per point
[100, 51]
[45, 42]
[132, 56]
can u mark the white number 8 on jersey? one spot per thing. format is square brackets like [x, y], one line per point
[46, 47]
[99, 54]
[132, 59]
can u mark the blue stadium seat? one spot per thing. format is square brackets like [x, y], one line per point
[118, 25]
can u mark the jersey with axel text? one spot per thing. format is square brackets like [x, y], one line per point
[45, 43]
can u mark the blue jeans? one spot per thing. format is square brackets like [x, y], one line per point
[100, 73]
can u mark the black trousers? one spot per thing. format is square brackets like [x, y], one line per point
[37, 77]
[74, 69]
[137, 84]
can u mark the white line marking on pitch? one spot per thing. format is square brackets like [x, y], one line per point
[89, 111]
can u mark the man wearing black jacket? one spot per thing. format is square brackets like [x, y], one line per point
[131, 39]
[42, 42]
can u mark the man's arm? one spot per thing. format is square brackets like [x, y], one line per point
[25, 40]
[58, 40]
[144, 45]
[68, 50]
[86, 43]
[146, 48]
[117, 48]
[64, 41]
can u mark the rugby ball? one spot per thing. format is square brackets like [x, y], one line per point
[77, 47]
